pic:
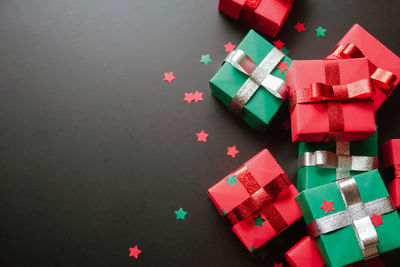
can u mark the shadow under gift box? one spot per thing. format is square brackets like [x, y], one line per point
[266, 16]
[257, 199]
[391, 168]
[328, 114]
[357, 42]
[341, 246]
[227, 82]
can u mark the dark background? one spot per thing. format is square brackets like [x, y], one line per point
[97, 151]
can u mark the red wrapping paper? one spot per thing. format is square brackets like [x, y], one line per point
[312, 122]
[227, 196]
[266, 16]
[391, 165]
[377, 54]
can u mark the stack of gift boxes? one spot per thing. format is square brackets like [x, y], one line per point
[349, 214]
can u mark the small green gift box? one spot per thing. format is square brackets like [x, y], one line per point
[250, 82]
[322, 163]
[351, 219]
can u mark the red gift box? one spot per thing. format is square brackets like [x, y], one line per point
[325, 98]
[391, 165]
[306, 253]
[266, 16]
[384, 64]
[257, 200]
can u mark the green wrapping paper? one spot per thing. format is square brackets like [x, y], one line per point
[341, 247]
[225, 84]
[312, 176]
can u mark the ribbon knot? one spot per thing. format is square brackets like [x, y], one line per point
[250, 6]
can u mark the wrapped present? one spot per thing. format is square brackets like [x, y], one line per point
[257, 200]
[266, 16]
[326, 96]
[249, 82]
[391, 171]
[323, 163]
[351, 219]
[384, 65]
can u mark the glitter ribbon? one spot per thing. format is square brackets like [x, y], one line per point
[383, 79]
[258, 76]
[333, 94]
[342, 161]
[248, 8]
[357, 214]
[260, 199]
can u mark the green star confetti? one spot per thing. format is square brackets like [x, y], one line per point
[180, 214]
[205, 59]
[285, 50]
[320, 31]
[231, 180]
[258, 221]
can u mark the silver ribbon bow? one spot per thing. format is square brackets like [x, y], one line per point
[357, 214]
[342, 161]
[258, 76]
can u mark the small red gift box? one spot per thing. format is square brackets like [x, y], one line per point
[266, 16]
[384, 64]
[257, 200]
[391, 165]
[331, 100]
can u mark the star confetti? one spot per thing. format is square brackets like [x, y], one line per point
[169, 76]
[198, 96]
[258, 221]
[229, 47]
[205, 59]
[279, 44]
[300, 27]
[180, 214]
[320, 31]
[134, 252]
[231, 180]
[327, 206]
[189, 97]
[376, 219]
[278, 264]
[202, 136]
[285, 50]
[282, 66]
[286, 124]
[232, 151]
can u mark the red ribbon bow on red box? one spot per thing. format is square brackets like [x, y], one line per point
[260, 199]
[383, 79]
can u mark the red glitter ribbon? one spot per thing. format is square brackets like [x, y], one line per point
[334, 95]
[260, 199]
[250, 6]
[383, 79]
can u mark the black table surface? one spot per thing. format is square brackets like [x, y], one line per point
[97, 151]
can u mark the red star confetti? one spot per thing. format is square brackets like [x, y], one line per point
[189, 97]
[282, 66]
[376, 219]
[198, 96]
[277, 264]
[169, 76]
[134, 252]
[300, 27]
[327, 206]
[279, 44]
[286, 124]
[202, 136]
[232, 151]
[229, 47]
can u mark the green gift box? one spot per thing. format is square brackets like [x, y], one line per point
[312, 174]
[259, 60]
[348, 215]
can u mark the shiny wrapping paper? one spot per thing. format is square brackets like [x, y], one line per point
[322, 119]
[391, 168]
[266, 16]
[378, 54]
[229, 80]
[313, 176]
[257, 200]
[342, 247]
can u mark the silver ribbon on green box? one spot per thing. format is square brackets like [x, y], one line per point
[259, 75]
[342, 161]
[357, 214]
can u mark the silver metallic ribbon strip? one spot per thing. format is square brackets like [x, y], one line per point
[342, 161]
[258, 76]
[357, 214]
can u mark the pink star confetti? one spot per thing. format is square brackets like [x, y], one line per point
[299, 27]
[229, 47]
[134, 252]
[279, 44]
[189, 97]
[232, 151]
[282, 66]
[169, 76]
[327, 206]
[198, 96]
[202, 136]
[376, 219]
